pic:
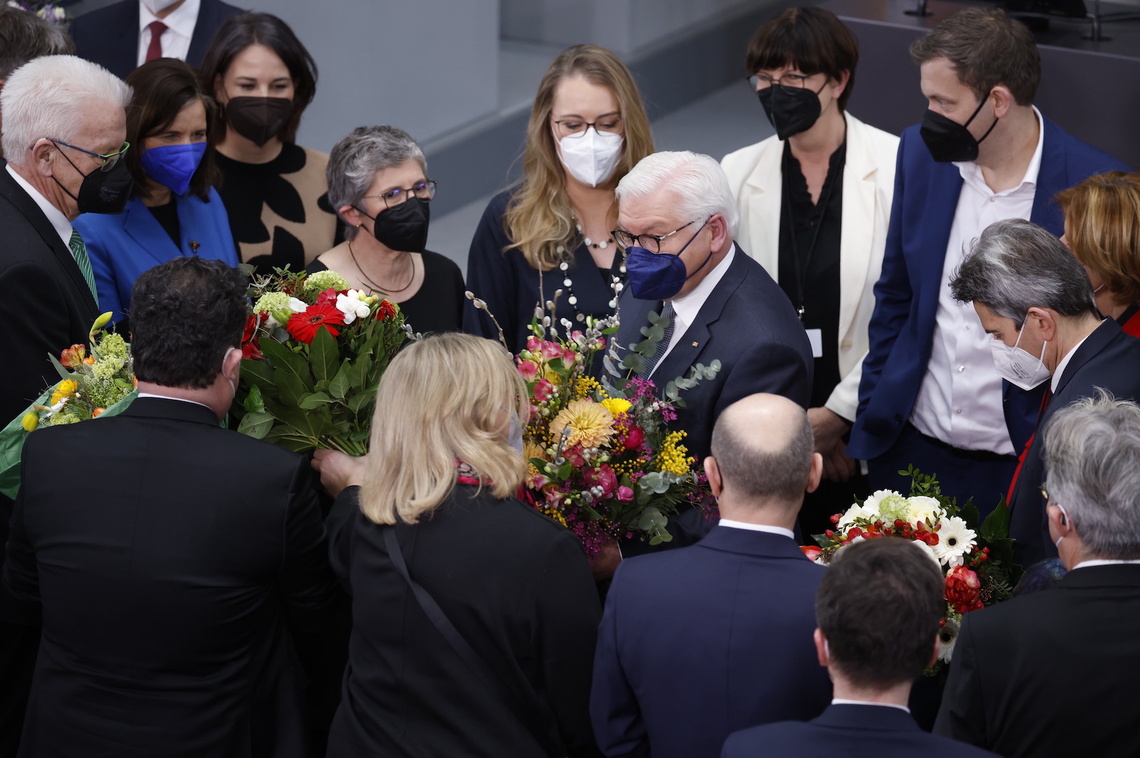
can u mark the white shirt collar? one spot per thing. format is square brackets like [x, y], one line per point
[181, 20]
[689, 305]
[972, 173]
[757, 527]
[1064, 363]
[179, 399]
[1104, 562]
[841, 701]
[54, 215]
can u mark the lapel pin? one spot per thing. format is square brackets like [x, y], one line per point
[696, 344]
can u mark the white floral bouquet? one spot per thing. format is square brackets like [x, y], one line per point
[976, 560]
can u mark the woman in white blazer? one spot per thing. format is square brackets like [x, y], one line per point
[815, 201]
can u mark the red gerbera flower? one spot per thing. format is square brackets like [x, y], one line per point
[386, 310]
[303, 326]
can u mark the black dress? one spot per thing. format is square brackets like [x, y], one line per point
[438, 304]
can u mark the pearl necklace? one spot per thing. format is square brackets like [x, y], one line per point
[568, 285]
[599, 245]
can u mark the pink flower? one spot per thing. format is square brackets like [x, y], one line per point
[543, 389]
[550, 350]
[603, 476]
[529, 370]
[625, 494]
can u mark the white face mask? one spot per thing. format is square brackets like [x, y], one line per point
[157, 6]
[592, 156]
[1017, 366]
[514, 435]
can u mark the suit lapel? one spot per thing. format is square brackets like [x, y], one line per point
[1089, 349]
[141, 226]
[858, 225]
[763, 215]
[16, 195]
[1050, 180]
[944, 186]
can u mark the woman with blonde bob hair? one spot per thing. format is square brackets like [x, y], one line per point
[501, 664]
[587, 129]
[1102, 229]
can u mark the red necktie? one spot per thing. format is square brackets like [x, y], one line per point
[154, 50]
[1028, 444]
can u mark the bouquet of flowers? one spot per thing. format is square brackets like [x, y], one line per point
[45, 9]
[314, 351]
[92, 385]
[976, 561]
[602, 461]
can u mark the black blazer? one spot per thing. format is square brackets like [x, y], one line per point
[1052, 673]
[178, 565]
[518, 589]
[749, 325]
[698, 642]
[110, 36]
[1109, 359]
[847, 731]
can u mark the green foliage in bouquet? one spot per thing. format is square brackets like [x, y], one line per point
[314, 351]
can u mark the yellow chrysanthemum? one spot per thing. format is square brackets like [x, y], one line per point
[617, 405]
[588, 423]
[64, 389]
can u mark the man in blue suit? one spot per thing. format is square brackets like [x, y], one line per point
[1036, 301]
[879, 609]
[698, 642]
[676, 220]
[929, 394]
[124, 35]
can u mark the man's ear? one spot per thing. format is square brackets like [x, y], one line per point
[1044, 321]
[822, 652]
[231, 364]
[712, 471]
[1003, 100]
[815, 474]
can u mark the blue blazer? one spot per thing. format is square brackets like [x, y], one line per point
[125, 245]
[698, 642]
[1110, 359]
[748, 324]
[848, 731]
[906, 296]
[110, 36]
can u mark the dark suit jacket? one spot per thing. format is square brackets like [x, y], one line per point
[178, 564]
[1051, 673]
[847, 731]
[110, 36]
[698, 642]
[906, 296]
[517, 588]
[748, 324]
[1109, 359]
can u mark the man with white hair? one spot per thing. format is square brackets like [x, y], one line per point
[676, 220]
[63, 135]
[1053, 673]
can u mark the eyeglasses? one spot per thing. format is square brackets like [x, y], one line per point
[575, 127]
[787, 81]
[423, 190]
[107, 161]
[651, 242]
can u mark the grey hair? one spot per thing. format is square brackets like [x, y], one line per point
[1016, 265]
[1092, 456]
[758, 473]
[697, 180]
[24, 36]
[48, 96]
[354, 161]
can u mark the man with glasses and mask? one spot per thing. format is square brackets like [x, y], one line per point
[1035, 300]
[928, 393]
[676, 222]
[63, 134]
[1053, 673]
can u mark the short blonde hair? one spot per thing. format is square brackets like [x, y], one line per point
[443, 399]
[1102, 227]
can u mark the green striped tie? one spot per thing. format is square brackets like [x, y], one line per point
[79, 252]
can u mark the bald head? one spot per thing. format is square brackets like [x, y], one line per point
[763, 448]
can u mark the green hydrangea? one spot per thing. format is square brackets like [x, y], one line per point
[322, 280]
[894, 506]
[114, 346]
[108, 366]
[105, 392]
[270, 302]
[65, 416]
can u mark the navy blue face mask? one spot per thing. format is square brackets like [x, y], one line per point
[659, 276]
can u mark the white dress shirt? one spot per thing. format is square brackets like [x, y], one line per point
[757, 527]
[1064, 363]
[179, 29]
[686, 307]
[960, 401]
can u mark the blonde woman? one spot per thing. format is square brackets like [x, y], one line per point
[587, 129]
[437, 499]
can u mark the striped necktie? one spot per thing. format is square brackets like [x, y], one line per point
[662, 346]
[79, 252]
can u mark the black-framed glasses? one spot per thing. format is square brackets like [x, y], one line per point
[651, 242]
[107, 160]
[424, 191]
[787, 81]
[610, 123]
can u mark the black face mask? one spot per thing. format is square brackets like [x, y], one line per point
[948, 141]
[404, 227]
[258, 119]
[102, 191]
[790, 110]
